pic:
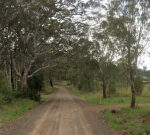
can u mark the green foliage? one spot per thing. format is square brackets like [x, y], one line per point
[35, 85]
[72, 75]
[112, 88]
[36, 82]
[85, 83]
[15, 109]
[139, 85]
[17, 94]
[5, 90]
[84, 75]
[129, 120]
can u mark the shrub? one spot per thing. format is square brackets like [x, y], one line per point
[35, 85]
[139, 85]
[5, 89]
[35, 94]
[85, 84]
[1, 99]
[17, 94]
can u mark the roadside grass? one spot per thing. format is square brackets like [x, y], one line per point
[94, 98]
[130, 121]
[14, 110]
[126, 121]
[124, 100]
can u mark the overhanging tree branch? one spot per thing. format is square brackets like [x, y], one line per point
[39, 69]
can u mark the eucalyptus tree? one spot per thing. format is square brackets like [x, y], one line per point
[36, 33]
[7, 10]
[32, 27]
[127, 23]
[104, 52]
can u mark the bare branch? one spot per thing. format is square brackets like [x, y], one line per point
[39, 69]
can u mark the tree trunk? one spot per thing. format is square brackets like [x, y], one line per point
[131, 71]
[51, 82]
[12, 76]
[104, 85]
[23, 85]
[132, 89]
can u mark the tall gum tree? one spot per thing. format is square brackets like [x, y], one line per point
[127, 24]
[103, 52]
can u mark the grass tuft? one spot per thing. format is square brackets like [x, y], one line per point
[10, 112]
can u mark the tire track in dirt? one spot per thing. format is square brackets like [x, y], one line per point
[45, 124]
[64, 115]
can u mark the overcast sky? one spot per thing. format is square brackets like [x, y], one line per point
[144, 60]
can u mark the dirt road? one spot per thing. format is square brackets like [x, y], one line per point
[64, 114]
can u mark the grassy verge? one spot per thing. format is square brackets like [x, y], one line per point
[10, 112]
[130, 121]
[93, 98]
[124, 100]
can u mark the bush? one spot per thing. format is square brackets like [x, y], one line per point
[139, 85]
[17, 94]
[112, 87]
[5, 89]
[85, 84]
[35, 85]
[1, 100]
[35, 94]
